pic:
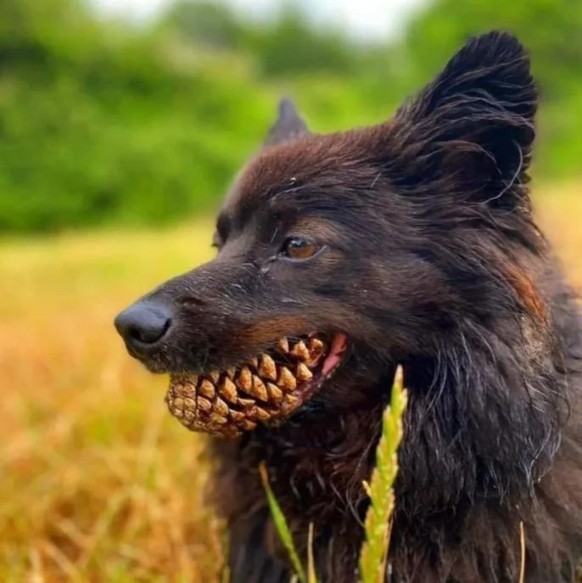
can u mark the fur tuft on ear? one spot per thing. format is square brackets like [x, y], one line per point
[289, 125]
[473, 125]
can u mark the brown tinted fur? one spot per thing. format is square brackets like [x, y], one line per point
[429, 258]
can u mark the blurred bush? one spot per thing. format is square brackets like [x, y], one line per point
[102, 122]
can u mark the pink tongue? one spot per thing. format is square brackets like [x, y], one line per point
[336, 352]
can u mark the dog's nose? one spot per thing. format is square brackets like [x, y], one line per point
[143, 324]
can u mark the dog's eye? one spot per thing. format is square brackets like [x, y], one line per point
[299, 248]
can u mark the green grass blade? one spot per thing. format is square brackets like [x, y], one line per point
[374, 553]
[282, 526]
[311, 574]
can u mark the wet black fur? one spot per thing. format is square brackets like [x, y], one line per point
[430, 258]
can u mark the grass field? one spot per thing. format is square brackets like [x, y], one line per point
[98, 483]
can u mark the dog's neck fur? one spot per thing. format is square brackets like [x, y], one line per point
[461, 398]
[487, 419]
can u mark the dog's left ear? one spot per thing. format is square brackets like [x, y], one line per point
[471, 130]
[289, 125]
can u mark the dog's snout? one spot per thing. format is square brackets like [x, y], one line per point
[144, 324]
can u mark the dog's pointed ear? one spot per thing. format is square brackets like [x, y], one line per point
[288, 126]
[472, 128]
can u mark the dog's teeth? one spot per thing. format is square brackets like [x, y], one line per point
[283, 345]
[259, 390]
[303, 373]
[286, 379]
[221, 407]
[206, 389]
[245, 379]
[227, 389]
[275, 393]
[268, 368]
[204, 404]
[300, 350]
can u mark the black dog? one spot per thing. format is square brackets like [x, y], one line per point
[410, 242]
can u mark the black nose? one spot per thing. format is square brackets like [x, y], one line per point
[143, 324]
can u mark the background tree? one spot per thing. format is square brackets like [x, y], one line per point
[102, 122]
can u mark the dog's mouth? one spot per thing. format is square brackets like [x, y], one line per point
[265, 389]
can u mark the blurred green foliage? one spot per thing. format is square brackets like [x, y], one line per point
[102, 122]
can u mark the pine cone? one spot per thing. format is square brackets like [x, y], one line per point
[263, 390]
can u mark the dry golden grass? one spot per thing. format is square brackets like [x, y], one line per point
[98, 483]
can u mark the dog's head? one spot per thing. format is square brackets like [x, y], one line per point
[343, 254]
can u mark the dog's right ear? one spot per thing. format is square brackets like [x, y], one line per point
[288, 127]
[471, 130]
